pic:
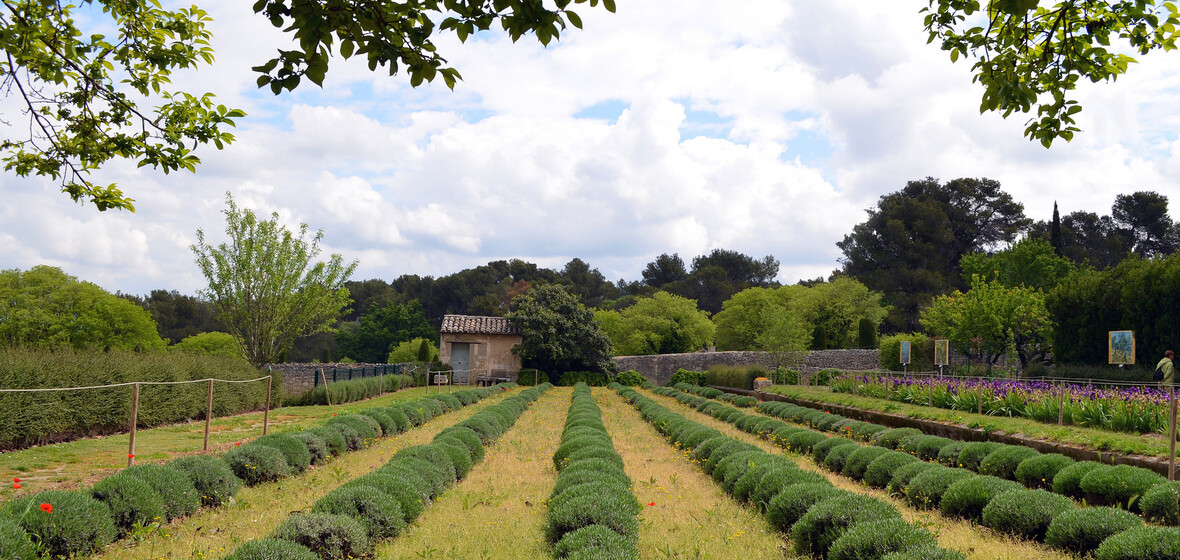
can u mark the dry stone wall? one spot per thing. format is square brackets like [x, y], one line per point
[659, 369]
[299, 377]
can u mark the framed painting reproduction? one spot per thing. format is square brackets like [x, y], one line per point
[1122, 347]
[904, 353]
[942, 352]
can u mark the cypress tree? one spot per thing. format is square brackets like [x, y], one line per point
[1055, 231]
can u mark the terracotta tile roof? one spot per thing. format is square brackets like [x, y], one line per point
[471, 324]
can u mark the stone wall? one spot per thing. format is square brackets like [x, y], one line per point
[299, 377]
[659, 369]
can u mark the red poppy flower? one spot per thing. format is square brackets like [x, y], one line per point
[47, 508]
[237, 444]
[16, 480]
[16, 485]
[651, 503]
[130, 455]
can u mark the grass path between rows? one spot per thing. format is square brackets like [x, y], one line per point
[977, 542]
[68, 465]
[1155, 445]
[498, 511]
[256, 511]
[693, 518]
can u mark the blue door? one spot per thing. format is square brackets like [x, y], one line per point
[460, 361]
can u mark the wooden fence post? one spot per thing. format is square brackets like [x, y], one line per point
[266, 413]
[1172, 433]
[327, 392]
[208, 413]
[980, 395]
[1061, 408]
[134, 420]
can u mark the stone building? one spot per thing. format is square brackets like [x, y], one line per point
[479, 348]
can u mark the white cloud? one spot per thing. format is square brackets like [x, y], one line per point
[429, 181]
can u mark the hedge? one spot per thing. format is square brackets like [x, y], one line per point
[40, 418]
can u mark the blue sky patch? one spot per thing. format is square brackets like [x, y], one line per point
[608, 110]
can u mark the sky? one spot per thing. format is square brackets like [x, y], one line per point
[768, 127]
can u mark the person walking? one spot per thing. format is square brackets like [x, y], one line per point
[1167, 368]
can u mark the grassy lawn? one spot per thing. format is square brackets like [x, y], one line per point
[1091, 438]
[693, 518]
[85, 461]
[498, 511]
[256, 511]
[978, 543]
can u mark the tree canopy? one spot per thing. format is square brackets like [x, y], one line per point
[661, 324]
[381, 329]
[1030, 55]
[991, 319]
[44, 307]
[559, 333]
[910, 247]
[1031, 263]
[265, 285]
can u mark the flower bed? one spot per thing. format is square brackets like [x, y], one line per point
[1134, 409]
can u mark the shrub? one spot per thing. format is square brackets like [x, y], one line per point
[212, 477]
[1081, 530]
[1120, 485]
[1161, 504]
[411, 496]
[317, 448]
[435, 456]
[294, 451]
[595, 541]
[132, 501]
[1002, 462]
[1143, 543]
[458, 453]
[802, 441]
[1068, 480]
[819, 451]
[363, 425]
[631, 378]
[685, 376]
[905, 473]
[925, 553]
[1038, 472]
[826, 521]
[174, 487]
[591, 378]
[838, 456]
[1025, 513]
[732, 447]
[380, 515]
[974, 452]
[776, 479]
[486, 431]
[749, 479]
[609, 510]
[921, 352]
[967, 498]
[272, 549]
[789, 505]
[740, 377]
[255, 464]
[327, 535]
[733, 467]
[388, 426]
[949, 455]
[929, 447]
[400, 420]
[15, 542]
[858, 461]
[468, 437]
[926, 489]
[405, 473]
[880, 471]
[890, 438]
[873, 540]
[412, 413]
[78, 523]
[335, 440]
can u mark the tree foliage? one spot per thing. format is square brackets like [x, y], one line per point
[44, 307]
[1030, 55]
[1138, 295]
[991, 319]
[90, 98]
[661, 324]
[1144, 217]
[911, 244]
[416, 350]
[216, 343]
[381, 329]
[265, 285]
[177, 316]
[559, 333]
[1031, 263]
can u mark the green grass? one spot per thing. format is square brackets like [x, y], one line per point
[72, 464]
[1090, 438]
